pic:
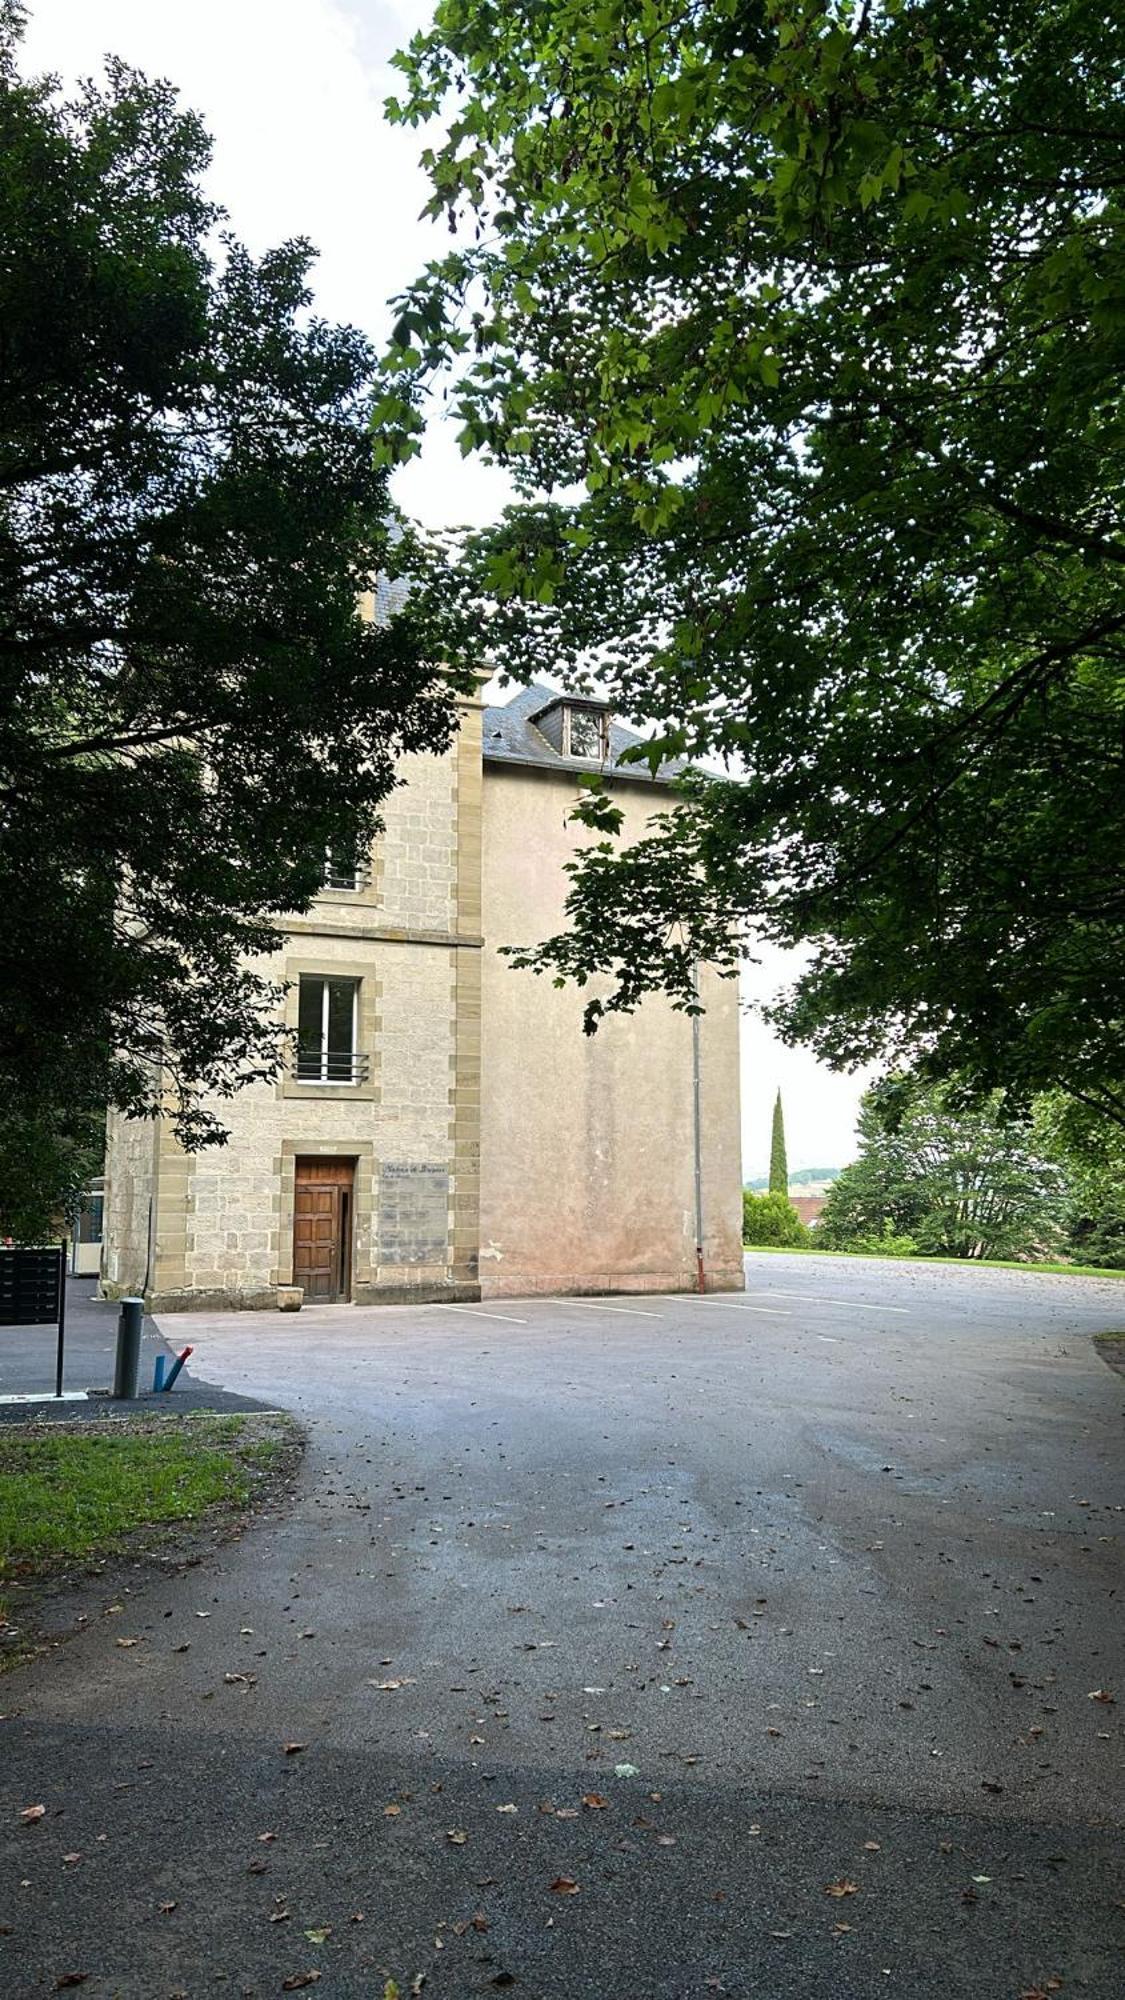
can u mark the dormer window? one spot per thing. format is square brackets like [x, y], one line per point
[587, 733]
[576, 729]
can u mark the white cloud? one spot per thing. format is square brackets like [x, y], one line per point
[292, 94]
[820, 1105]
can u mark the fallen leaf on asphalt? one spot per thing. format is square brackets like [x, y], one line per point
[70, 1859]
[841, 1888]
[319, 1934]
[291, 1749]
[594, 1801]
[565, 1885]
[267, 1836]
[567, 1812]
[279, 1916]
[666, 1840]
[70, 1979]
[126, 1642]
[456, 1835]
[390, 1687]
[391, 1812]
[166, 1909]
[479, 1921]
[298, 1979]
[841, 1930]
[31, 1813]
[625, 1771]
[507, 1809]
[1101, 1694]
[872, 1847]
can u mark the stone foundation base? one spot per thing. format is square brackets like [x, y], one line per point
[611, 1284]
[429, 1293]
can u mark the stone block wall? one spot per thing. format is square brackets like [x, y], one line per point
[222, 1220]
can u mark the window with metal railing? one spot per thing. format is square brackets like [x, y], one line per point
[327, 1020]
[343, 869]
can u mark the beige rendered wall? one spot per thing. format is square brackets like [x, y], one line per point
[587, 1141]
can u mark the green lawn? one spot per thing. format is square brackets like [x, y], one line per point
[960, 1263]
[68, 1494]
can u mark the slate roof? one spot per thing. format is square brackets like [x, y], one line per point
[510, 737]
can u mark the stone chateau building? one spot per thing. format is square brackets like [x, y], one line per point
[446, 1130]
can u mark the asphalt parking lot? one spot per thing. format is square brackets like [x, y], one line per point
[765, 1644]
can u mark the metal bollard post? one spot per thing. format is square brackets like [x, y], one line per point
[128, 1348]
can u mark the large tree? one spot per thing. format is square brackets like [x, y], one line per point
[192, 709]
[799, 326]
[960, 1183]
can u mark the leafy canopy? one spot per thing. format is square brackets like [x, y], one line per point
[800, 327]
[191, 708]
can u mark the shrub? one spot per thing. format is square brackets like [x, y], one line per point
[770, 1218]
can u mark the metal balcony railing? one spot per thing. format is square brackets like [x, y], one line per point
[341, 875]
[331, 1066]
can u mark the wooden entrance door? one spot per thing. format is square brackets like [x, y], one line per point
[322, 1229]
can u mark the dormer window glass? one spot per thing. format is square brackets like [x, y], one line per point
[587, 733]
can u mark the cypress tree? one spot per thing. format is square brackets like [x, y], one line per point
[779, 1165]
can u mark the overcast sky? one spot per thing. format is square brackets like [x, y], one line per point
[292, 93]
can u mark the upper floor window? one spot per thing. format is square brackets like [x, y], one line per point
[343, 869]
[327, 1020]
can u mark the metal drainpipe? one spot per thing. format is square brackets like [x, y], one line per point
[697, 1135]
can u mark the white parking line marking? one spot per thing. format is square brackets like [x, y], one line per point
[735, 1306]
[587, 1305]
[818, 1299]
[474, 1312]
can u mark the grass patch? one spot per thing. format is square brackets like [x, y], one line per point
[67, 1496]
[72, 1493]
[958, 1263]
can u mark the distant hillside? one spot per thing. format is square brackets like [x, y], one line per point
[803, 1178]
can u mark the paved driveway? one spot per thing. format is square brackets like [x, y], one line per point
[771, 1622]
